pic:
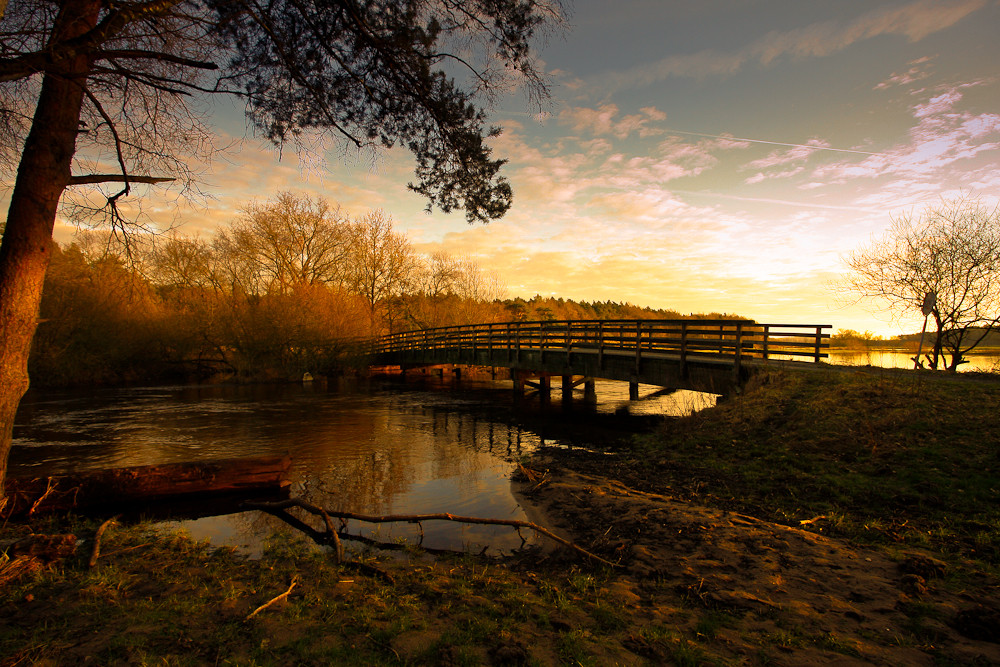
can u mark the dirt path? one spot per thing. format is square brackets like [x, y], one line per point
[785, 595]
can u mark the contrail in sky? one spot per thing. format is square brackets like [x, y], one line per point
[773, 143]
[541, 118]
[784, 202]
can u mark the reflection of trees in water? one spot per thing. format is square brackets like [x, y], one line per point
[392, 452]
[396, 449]
[352, 449]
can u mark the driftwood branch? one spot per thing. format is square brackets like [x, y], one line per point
[339, 536]
[123, 550]
[332, 532]
[95, 552]
[271, 601]
[415, 518]
[49, 488]
[324, 538]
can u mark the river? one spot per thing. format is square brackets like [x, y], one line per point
[377, 447]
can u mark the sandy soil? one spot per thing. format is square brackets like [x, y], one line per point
[792, 596]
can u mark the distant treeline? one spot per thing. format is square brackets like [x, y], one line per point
[288, 287]
[551, 308]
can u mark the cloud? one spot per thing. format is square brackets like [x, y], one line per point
[919, 69]
[937, 105]
[562, 176]
[914, 21]
[941, 136]
[796, 153]
[605, 120]
[761, 176]
[652, 248]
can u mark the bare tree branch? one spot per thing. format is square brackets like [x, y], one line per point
[92, 179]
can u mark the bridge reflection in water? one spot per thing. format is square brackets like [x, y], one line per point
[715, 356]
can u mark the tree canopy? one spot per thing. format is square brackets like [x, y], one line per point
[373, 73]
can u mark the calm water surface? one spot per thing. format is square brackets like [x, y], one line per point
[982, 362]
[371, 447]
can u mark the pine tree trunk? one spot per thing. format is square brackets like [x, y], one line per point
[42, 176]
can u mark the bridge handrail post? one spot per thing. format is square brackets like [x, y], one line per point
[517, 341]
[767, 339]
[819, 342]
[600, 344]
[569, 340]
[684, 343]
[739, 351]
[508, 342]
[638, 346]
[543, 340]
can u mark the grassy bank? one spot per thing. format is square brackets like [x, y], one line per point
[155, 599]
[881, 458]
[891, 462]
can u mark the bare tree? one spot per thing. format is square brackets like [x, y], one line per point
[449, 290]
[438, 274]
[382, 265]
[108, 95]
[953, 251]
[289, 241]
[181, 262]
[473, 283]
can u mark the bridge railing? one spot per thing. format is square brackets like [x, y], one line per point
[689, 339]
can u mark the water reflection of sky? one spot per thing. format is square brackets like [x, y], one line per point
[424, 447]
[978, 362]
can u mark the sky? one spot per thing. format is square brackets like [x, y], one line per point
[696, 155]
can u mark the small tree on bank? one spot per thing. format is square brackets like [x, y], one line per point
[952, 250]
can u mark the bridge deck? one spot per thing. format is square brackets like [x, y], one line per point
[705, 355]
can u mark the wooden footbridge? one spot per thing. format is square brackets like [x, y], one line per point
[714, 356]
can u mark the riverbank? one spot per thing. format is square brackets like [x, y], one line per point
[817, 518]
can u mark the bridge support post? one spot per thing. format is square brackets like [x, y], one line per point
[633, 390]
[545, 387]
[458, 373]
[589, 391]
[567, 388]
[518, 385]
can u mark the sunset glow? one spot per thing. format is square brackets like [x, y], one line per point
[712, 156]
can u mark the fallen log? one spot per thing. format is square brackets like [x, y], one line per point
[122, 487]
